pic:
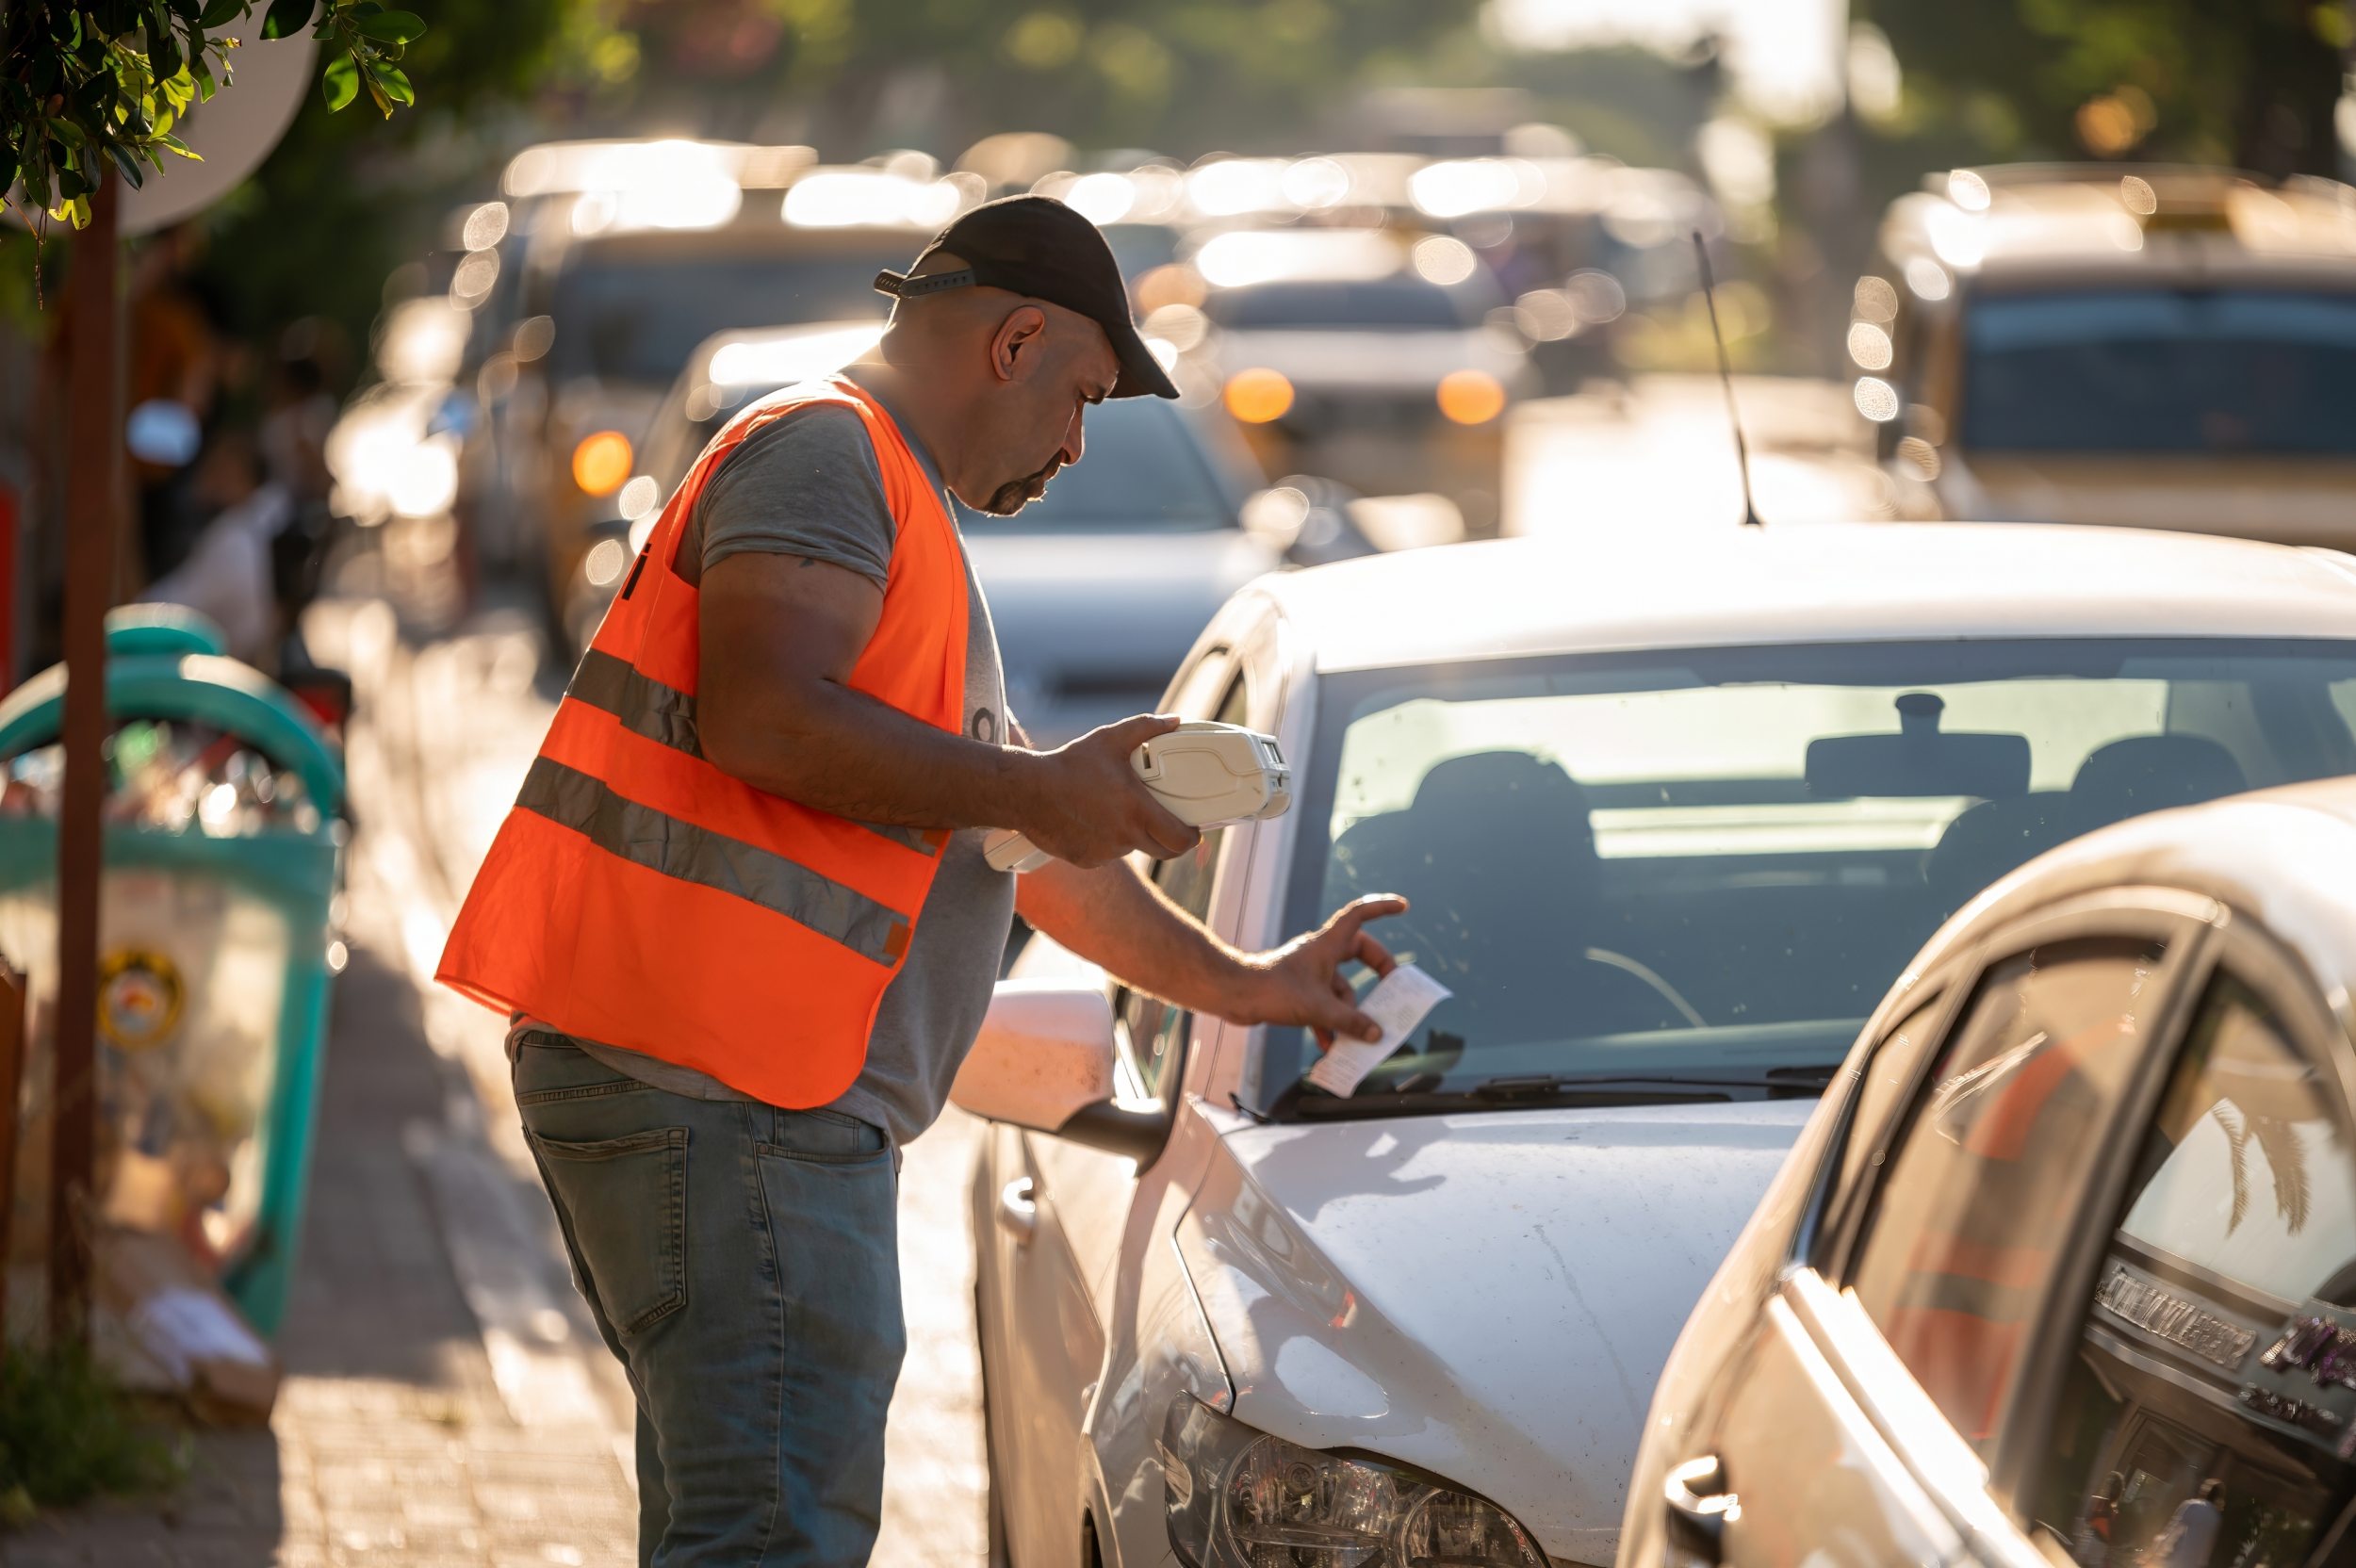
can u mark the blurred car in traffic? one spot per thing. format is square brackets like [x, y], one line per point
[2148, 347]
[2064, 1272]
[1097, 589]
[623, 278]
[1385, 359]
[1671, 820]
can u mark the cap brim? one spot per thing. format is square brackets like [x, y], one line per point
[1140, 372]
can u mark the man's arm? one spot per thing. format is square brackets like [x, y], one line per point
[780, 635]
[1111, 915]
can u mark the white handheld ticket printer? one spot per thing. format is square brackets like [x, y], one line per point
[1208, 775]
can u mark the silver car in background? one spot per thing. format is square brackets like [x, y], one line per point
[1097, 590]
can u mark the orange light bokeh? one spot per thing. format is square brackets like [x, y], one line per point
[1471, 396]
[601, 462]
[1259, 395]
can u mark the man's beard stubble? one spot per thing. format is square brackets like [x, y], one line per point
[1016, 494]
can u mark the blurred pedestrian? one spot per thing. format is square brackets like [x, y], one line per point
[742, 918]
[226, 573]
[2101, 1523]
[2192, 1530]
[173, 370]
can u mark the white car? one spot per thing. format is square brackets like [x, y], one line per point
[1673, 819]
[2065, 1272]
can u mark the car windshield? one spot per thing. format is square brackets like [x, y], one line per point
[1142, 472]
[640, 316]
[1712, 864]
[1385, 305]
[2212, 371]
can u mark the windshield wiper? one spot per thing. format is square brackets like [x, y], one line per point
[1696, 1086]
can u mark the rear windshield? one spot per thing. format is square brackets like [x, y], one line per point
[2221, 370]
[639, 318]
[1720, 861]
[1386, 303]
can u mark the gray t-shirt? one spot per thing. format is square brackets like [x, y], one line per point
[808, 484]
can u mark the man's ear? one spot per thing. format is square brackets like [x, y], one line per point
[1017, 344]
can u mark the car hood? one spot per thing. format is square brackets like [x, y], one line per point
[1092, 626]
[2286, 501]
[1488, 1296]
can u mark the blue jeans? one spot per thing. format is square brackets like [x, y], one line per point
[741, 1260]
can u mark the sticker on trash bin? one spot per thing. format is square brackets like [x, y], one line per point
[140, 998]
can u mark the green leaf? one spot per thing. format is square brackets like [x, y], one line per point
[222, 12]
[393, 26]
[173, 144]
[397, 85]
[287, 18]
[68, 132]
[377, 94]
[340, 82]
[129, 165]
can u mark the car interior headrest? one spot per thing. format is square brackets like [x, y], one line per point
[2150, 773]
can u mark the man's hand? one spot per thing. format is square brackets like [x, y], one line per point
[1088, 804]
[1301, 980]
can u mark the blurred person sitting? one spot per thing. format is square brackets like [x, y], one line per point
[227, 572]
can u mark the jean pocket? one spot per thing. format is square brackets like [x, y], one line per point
[624, 1205]
[827, 1136]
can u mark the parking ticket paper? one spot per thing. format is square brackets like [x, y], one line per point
[1398, 1002]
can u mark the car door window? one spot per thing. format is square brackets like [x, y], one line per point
[2206, 1415]
[1985, 1181]
[1152, 1031]
[1888, 1072]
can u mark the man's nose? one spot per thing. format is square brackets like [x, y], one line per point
[1075, 443]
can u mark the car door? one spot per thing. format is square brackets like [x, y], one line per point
[1860, 1427]
[1065, 1213]
[2194, 1404]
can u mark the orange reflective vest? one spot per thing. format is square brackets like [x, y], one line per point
[638, 896]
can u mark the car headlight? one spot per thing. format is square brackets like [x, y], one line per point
[1239, 1498]
[1258, 396]
[1470, 397]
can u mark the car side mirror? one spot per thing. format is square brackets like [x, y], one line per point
[1044, 1061]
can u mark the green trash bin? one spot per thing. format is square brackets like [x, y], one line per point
[223, 840]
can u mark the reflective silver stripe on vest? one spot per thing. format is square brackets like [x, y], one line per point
[571, 798]
[647, 706]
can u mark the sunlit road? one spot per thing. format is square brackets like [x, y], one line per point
[1657, 455]
[447, 723]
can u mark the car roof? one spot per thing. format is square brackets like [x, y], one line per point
[2286, 856]
[2069, 219]
[1831, 582]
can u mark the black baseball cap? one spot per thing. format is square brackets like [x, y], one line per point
[1036, 246]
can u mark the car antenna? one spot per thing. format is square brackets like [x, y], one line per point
[1725, 378]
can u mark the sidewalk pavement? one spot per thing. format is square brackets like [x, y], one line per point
[390, 1443]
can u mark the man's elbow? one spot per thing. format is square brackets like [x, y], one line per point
[758, 748]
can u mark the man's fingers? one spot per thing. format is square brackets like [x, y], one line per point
[1374, 955]
[1126, 735]
[1342, 1016]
